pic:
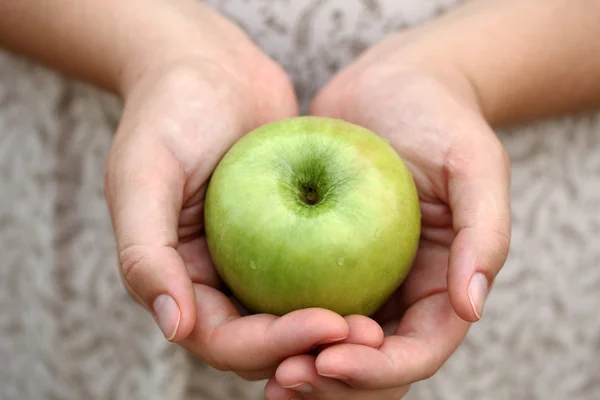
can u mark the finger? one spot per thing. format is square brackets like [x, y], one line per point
[191, 218]
[361, 330]
[144, 188]
[428, 334]
[300, 375]
[479, 198]
[364, 331]
[428, 276]
[197, 259]
[443, 236]
[274, 391]
[230, 342]
[436, 215]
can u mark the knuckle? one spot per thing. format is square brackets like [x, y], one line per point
[214, 356]
[503, 239]
[218, 364]
[502, 245]
[131, 260]
[433, 361]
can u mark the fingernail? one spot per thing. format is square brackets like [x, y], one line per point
[300, 387]
[167, 315]
[339, 377]
[478, 292]
[328, 341]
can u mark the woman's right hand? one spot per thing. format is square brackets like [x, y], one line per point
[182, 114]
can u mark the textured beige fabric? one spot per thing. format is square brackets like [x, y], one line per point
[68, 330]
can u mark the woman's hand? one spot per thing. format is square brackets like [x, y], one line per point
[461, 171]
[181, 115]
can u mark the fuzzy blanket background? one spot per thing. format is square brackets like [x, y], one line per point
[68, 330]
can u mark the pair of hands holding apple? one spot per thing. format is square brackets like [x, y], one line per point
[181, 119]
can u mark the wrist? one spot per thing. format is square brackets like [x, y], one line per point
[198, 47]
[418, 58]
[178, 35]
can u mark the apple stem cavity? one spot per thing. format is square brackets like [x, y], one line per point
[312, 178]
[311, 195]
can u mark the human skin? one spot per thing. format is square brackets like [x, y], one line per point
[433, 92]
[175, 64]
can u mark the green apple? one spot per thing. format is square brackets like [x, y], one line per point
[312, 212]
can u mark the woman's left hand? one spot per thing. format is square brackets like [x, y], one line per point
[432, 119]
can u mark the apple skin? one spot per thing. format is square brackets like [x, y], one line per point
[312, 212]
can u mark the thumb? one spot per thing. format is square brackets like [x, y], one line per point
[144, 189]
[479, 191]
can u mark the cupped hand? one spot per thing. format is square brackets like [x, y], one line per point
[431, 118]
[181, 115]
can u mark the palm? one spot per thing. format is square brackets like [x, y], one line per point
[450, 151]
[198, 123]
[195, 123]
[172, 135]
[421, 123]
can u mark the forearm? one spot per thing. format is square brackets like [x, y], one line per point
[524, 58]
[109, 42]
